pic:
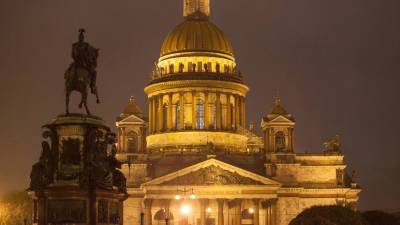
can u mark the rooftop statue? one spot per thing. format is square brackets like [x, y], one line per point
[82, 74]
[332, 145]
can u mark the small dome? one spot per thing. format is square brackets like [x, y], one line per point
[196, 35]
[131, 109]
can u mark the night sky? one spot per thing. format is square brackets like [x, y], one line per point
[334, 62]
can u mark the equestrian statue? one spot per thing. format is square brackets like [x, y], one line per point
[81, 74]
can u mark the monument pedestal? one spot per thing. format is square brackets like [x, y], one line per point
[77, 179]
[71, 205]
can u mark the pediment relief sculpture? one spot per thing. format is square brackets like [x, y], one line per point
[212, 175]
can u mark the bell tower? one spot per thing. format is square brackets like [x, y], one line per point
[193, 6]
[278, 128]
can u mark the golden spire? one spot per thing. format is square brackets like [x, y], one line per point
[191, 7]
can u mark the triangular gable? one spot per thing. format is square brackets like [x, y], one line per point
[132, 119]
[281, 119]
[222, 173]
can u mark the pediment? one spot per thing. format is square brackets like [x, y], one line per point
[132, 119]
[211, 172]
[282, 120]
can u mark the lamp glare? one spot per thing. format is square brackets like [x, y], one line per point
[186, 209]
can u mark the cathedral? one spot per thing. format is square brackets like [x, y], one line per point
[193, 160]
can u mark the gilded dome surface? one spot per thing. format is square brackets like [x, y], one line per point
[196, 35]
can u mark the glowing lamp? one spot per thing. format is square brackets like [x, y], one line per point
[209, 210]
[251, 210]
[192, 196]
[186, 209]
[177, 197]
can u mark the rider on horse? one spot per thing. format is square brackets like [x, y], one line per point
[82, 72]
[83, 58]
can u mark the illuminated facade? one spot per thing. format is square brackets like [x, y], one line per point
[194, 161]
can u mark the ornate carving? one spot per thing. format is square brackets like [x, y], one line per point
[212, 175]
[42, 173]
[101, 170]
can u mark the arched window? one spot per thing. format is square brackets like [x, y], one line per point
[280, 144]
[181, 67]
[200, 114]
[131, 140]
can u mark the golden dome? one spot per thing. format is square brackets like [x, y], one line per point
[196, 35]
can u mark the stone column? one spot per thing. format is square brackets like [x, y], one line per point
[218, 106]
[169, 111]
[181, 111]
[236, 112]
[203, 206]
[256, 215]
[147, 212]
[220, 211]
[273, 212]
[150, 119]
[290, 140]
[238, 212]
[243, 111]
[206, 111]
[270, 211]
[160, 113]
[228, 112]
[123, 140]
[194, 111]
[153, 114]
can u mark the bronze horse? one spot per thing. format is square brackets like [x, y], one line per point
[81, 74]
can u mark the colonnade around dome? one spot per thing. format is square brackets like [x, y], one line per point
[196, 110]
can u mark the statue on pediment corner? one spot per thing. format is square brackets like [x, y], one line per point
[332, 145]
